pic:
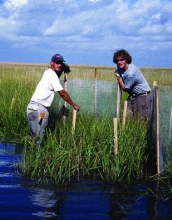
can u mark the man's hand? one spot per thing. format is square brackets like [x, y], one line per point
[117, 74]
[76, 107]
[66, 68]
[65, 96]
[120, 81]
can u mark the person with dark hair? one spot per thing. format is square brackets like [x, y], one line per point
[132, 81]
[37, 109]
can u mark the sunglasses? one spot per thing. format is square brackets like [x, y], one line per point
[120, 60]
[59, 62]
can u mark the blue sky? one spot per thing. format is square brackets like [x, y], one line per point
[86, 31]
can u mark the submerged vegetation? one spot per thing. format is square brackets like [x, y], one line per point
[87, 152]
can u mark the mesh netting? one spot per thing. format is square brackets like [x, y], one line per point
[93, 96]
[101, 97]
[165, 94]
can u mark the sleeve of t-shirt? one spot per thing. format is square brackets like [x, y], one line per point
[55, 83]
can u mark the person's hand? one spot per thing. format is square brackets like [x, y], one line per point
[116, 74]
[76, 107]
[66, 68]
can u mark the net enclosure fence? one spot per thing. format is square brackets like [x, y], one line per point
[165, 122]
[160, 128]
[100, 96]
[94, 95]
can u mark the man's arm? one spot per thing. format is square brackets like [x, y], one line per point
[65, 96]
[119, 78]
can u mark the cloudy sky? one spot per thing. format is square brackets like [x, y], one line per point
[86, 31]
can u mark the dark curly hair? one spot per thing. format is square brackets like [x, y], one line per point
[122, 53]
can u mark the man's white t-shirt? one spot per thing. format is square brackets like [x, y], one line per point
[48, 85]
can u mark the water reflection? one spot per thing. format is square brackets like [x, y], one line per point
[88, 199]
[77, 201]
[47, 199]
[142, 201]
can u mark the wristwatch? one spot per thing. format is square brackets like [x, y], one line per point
[118, 77]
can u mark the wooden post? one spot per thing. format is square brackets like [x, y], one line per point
[95, 90]
[119, 95]
[69, 166]
[157, 127]
[74, 120]
[115, 120]
[170, 128]
[65, 88]
[115, 136]
[12, 102]
[124, 113]
[65, 81]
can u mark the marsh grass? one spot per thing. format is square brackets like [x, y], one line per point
[17, 85]
[89, 152]
[161, 75]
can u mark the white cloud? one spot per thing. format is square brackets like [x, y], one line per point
[96, 24]
[13, 4]
[156, 16]
[81, 23]
[94, 0]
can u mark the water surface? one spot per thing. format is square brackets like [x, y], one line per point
[87, 199]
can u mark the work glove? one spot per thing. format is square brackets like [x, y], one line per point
[66, 68]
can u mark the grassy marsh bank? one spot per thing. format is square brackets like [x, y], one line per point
[89, 151]
[161, 75]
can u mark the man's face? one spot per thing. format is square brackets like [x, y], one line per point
[122, 63]
[56, 66]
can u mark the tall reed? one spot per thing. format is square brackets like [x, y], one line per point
[90, 150]
[17, 85]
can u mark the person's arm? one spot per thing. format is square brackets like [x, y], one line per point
[119, 78]
[65, 96]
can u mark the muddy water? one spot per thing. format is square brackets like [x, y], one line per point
[88, 199]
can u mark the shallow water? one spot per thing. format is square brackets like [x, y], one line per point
[87, 199]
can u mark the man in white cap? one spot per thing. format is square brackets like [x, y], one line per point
[37, 110]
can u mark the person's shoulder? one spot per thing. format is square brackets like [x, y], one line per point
[133, 68]
[49, 72]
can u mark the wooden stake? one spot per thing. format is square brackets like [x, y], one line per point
[115, 136]
[115, 120]
[95, 91]
[119, 95]
[157, 128]
[124, 113]
[65, 82]
[170, 128]
[95, 73]
[12, 102]
[65, 88]
[74, 120]
[69, 166]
